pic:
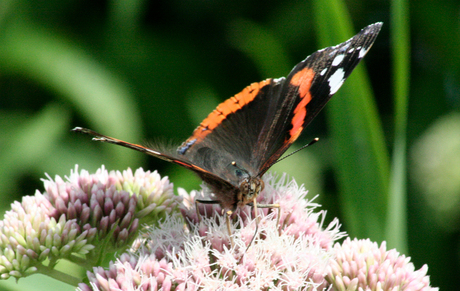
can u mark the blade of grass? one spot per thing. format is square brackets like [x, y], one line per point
[362, 163]
[396, 228]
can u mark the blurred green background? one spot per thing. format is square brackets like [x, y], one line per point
[388, 160]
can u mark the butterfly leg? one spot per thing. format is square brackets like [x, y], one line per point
[277, 206]
[256, 212]
[255, 205]
[229, 229]
[228, 215]
[197, 211]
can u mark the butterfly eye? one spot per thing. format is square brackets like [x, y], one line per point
[239, 172]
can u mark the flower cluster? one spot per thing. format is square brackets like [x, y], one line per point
[363, 265]
[86, 216]
[295, 254]
[284, 247]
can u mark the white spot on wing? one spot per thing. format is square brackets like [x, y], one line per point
[337, 60]
[336, 80]
[345, 46]
[278, 80]
[362, 53]
[351, 50]
[323, 72]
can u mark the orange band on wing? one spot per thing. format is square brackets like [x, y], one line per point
[225, 108]
[303, 80]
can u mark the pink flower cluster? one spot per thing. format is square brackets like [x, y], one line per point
[363, 265]
[87, 217]
[84, 216]
[296, 254]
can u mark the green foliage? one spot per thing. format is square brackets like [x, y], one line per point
[139, 70]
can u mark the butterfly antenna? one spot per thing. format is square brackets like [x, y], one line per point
[307, 145]
[250, 243]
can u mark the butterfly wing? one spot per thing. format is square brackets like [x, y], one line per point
[163, 154]
[245, 135]
[307, 89]
[255, 127]
[232, 131]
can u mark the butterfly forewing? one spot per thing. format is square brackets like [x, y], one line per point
[159, 152]
[307, 89]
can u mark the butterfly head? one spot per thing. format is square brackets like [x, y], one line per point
[250, 187]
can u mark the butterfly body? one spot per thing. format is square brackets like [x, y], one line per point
[245, 135]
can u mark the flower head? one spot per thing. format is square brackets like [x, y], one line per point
[89, 216]
[298, 215]
[363, 265]
[85, 215]
[203, 257]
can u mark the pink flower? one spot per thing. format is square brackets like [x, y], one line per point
[90, 216]
[297, 254]
[363, 265]
[290, 256]
[85, 216]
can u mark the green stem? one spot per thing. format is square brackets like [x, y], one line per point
[87, 264]
[58, 275]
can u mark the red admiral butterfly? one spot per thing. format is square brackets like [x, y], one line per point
[245, 135]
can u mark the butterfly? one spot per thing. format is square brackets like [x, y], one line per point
[245, 135]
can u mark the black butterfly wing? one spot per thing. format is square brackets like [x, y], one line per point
[307, 89]
[255, 127]
[163, 153]
[232, 131]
